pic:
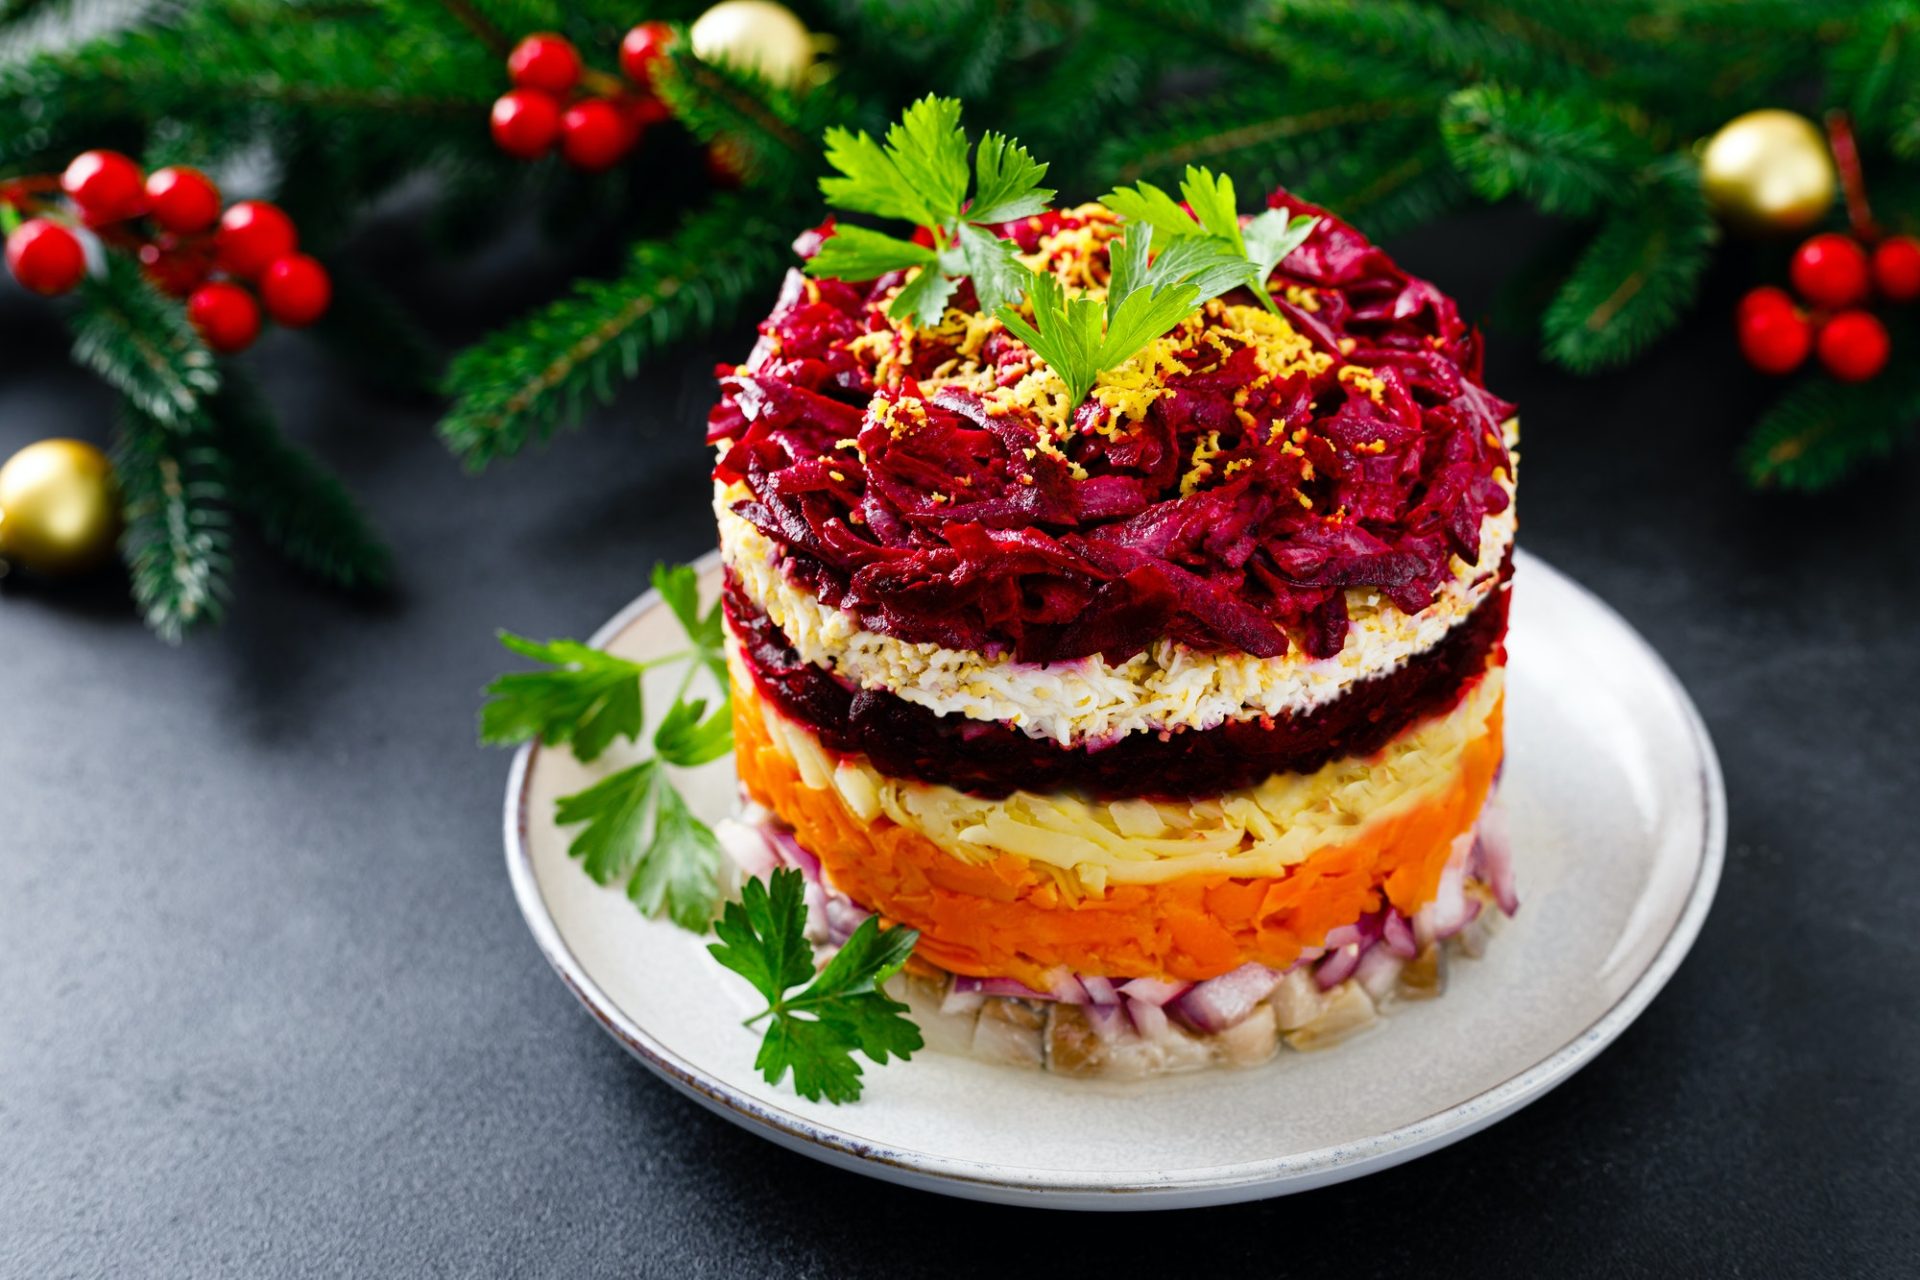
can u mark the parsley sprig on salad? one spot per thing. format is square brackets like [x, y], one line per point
[920, 174]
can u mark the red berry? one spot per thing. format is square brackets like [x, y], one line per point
[1853, 345]
[594, 134]
[546, 62]
[253, 234]
[182, 200]
[226, 316]
[642, 48]
[1896, 268]
[296, 290]
[1765, 298]
[525, 123]
[45, 257]
[175, 269]
[107, 186]
[1774, 339]
[1830, 271]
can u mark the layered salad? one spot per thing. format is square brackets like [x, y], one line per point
[1168, 715]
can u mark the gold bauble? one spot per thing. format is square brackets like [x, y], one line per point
[1769, 171]
[59, 507]
[757, 35]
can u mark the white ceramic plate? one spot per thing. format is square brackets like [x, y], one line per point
[1619, 826]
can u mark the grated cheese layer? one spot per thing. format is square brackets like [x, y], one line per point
[1088, 845]
[1091, 701]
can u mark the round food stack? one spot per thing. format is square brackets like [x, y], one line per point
[1168, 718]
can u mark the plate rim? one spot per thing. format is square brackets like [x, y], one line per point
[1246, 1180]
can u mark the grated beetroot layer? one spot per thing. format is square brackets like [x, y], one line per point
[935, 537]
[906, 740]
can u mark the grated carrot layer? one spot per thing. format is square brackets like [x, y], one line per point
[1005, 918]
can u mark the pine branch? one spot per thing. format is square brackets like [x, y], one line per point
[1641, 271]
[300, 508]
[1451, 46]
[141, 344]
[1563, 153]
[771, 134]
[1240, 130]
[175, 545]
[1822, 430]
[519, 384]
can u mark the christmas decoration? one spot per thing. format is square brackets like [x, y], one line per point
[1896, 268]
[1769, 171]
[548, 63]
[641, 48]
[296, 290]
[1774, 337]
[1613, 120]
[252, 235]
[194, 445]
[594, 134]
[182, 200]
[59, 508]
[757, 36]
[226, 315]
[1853, 346]
[1830, 271]
[44, 257]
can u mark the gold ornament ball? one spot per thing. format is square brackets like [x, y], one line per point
[59, 508]
[757, 35]
[1769, 171]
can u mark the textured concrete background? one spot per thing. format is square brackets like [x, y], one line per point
[267, 1008]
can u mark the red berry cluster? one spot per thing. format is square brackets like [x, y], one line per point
[1836, 276]
[171, 221]
[594, 129]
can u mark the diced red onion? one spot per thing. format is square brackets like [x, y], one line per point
[1100, 991]
[1107, 1020]
[1222, 1002]
[998, 987]
[747, 846]
[1377, 970]
[1069, 989]
[1361, 933]
[1153, 991]
[1149, 1019]
[1397, 934]
[788, 850]
[1338, 966]
[843, 917]
[1492, 859]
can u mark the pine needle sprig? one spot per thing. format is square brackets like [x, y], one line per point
[300, 507]
[140, 343]
[1637, 277]
[176, 545]
[770, 134]
[1821, 431]
[517, 386]
[1449, 45]
[1559, 151]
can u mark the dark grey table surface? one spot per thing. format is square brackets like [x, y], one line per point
[267, 1007]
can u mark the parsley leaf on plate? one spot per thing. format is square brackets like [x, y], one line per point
[1258, 248]
[816, 1031]
[920, 174]
[637, 828]
[589, 699]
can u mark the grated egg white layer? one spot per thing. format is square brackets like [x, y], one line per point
[1091, 700]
